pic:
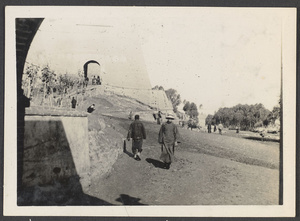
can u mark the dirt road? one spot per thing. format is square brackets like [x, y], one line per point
[210, 169]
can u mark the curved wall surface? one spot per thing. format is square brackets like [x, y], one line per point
[67, 45]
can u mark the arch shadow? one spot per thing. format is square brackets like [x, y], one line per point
[50, 177]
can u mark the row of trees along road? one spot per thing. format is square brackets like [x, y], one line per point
[245, 116]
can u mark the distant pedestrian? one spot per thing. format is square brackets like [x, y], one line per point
[262, 134]
[168, 137]
[98, 81]
[74, 102]
[215, 128]
[137, 133]
[130, 115]
[94, 80]
[154, 115]
[220, 128]
[59, 101]
[209, 128]
[158, 119]
[181, 123]
[237, 129]
[91, 108]
[86, 81]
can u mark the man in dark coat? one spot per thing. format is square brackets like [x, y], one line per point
[74, 102]
[137, 133]
[158, 119]
[209, 128]
[168, 137]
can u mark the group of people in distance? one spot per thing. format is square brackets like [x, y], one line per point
[168, 137]
[96, 81]
[220, 128]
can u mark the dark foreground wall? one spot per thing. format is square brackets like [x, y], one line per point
[55, 148]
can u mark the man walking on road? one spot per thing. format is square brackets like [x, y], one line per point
[220, 127]
[137, 133]
[168, 138]
[209, 128]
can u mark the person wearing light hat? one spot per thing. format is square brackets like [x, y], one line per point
[168, 138]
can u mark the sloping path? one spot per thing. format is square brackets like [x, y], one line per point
[210, 169]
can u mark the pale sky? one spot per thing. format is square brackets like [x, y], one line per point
[217, 57]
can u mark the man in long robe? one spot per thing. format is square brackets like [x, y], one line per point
[169, 138]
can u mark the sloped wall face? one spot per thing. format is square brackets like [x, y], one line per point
[155, 99]
[55, 149]
[160, 101]
[66, 47]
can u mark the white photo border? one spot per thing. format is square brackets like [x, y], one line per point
[10, 135]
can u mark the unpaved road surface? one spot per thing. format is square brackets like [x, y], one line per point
[210, 169]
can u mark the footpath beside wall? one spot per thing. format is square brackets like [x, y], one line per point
[56, 148]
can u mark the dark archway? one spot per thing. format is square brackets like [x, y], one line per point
[85, 67]
[26, 29]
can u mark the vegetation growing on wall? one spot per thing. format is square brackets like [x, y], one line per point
[43, 85]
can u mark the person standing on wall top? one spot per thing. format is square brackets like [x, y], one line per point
[168, 138]
[94, 81]
[137, 133]
[86, 81]
[98, 80]
[74, 102]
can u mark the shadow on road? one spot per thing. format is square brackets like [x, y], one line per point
[66, 193]
[125, 150]
[262, 139]
[156, 163]
[128, 200]
[128, 153]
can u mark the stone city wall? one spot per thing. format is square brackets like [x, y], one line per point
[55, 148]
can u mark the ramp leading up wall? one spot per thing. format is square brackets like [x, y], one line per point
[155, 99]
